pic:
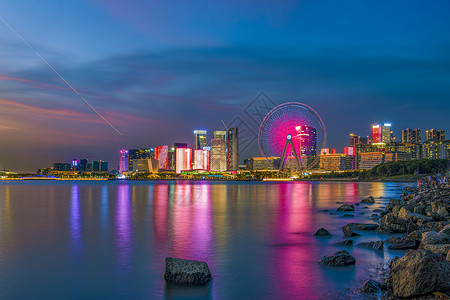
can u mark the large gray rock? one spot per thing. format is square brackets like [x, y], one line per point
[362, 226]
[338, 259]
[448, 255]
[442, 248]
[322, 232]
[394, 224]
[446, 230]
[378, 245]
[348, 232]
[345, 243]
[434, 238]
[186, 272]
[368, 200]
[404, 243]
[419, 272]
[346, 207]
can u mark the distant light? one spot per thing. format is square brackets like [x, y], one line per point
[387, 124]
[195, 131]
[289, 137]
[375, 126]
[298, 127]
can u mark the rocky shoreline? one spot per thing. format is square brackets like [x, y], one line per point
[422, 219]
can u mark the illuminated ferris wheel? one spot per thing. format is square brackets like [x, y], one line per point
[293, 132]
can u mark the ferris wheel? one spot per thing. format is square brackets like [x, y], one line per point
[296, 125]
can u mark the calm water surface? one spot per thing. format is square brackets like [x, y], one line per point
[108, 240]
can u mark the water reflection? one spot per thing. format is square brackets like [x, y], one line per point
[123, 224]
[75, 219]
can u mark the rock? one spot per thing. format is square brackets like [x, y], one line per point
[446, 230]
[322, 232]
[396, 225]
[383, 229]
[338, 259]
[403, 212]
[404, 243]
[346, 207]
[435, 226]
[434, 238]
[348, 232]
[362, 226]
[186, 272]
[395, 202]
[416, 235]
[368, 200]
[378, 245]
[345, 243]
[348, 216]
[419, 273]
[448, 256]
[377, 210]
[442, 249]
[370, 286]
[392, 240]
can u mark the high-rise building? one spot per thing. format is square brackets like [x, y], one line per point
[308, 140]
[201, 159]
[96, 166]
[162, 155]
[412, 136]
[220, 135]
[200, 139]
[336, 162]
[82, 165]
[149, 165]
[381, 133]
[436, 135]
[104, 166]
[369, 160]
[232, 140]
[184, 159]
[62, 167]
[141, 153]
[218, 155]
[353, 140]
[123, 161]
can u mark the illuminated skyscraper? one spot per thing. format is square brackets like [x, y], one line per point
[381, 133]
[141, 153]
[308, 140]
[184, 159]
[412, 136]
[232, 140]
[436, 135]
[220, 135]
[200, 139]
[354, 140]
[201, 159]
[218, 155]
[123, 161]
[162, 155]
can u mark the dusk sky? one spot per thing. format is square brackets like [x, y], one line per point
[157, 70]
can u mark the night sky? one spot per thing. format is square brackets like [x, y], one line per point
[157, 70]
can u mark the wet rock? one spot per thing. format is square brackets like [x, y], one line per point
[395, 202]
[419, 273]
[377, 210]
[392, 240]
[186, 272]
[348, 232]
[403, 212]
[378, 245]
[416, 235]
[362, 226]
[448, 256]
[435, 226]
[434, 238]
[348, 216]
[395, 224]
[322, 232]
[442, 249]
[368, 200]
[346, 207]
[383, 229]
[338, 259]
[404, 243]
[370, 286]
[345, 243]
[446, 230]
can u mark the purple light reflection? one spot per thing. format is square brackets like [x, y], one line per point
[123, 226]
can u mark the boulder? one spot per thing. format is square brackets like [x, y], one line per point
[370, 286]
[419, 272]
[448, 256]
[346, 207]
[378, 245]
[345, 243]
[362, 226]
[348, 232]
[442, 248]
[396, 225]
[377, 210]
[338, 259]
[395, 202]
[416, 235]
[186, 272]
[404, 243]
[434, 226]
[434, 238]
[391, 240]
[348, 216]
[446, 230]
[322, 232]
[403, 212]
[368, 200]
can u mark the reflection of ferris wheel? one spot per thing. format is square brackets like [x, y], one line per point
[296, 125]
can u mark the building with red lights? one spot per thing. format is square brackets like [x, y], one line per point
[201, 159]
[162, 155]
[184, 159]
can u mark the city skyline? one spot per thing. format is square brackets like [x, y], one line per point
[157, 73]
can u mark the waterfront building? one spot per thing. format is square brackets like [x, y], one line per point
[123, 161]
[184, 159]
[96, 166]
[291, 162]
[369, 160]
[353, 140]
[381, 133]
[162, 155]
[335, 162]
[104, 166]
[220, 135]
[411, 136]
[218, 155]
[434, 150]
[201, 159]
[397, 156]
[444, 149]
[262, 163]
[140, 153]
[232, 140]
[308, 140]
[148, 165]
[200, 139]
[435, 135]
[62, 167]
[352, 154]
